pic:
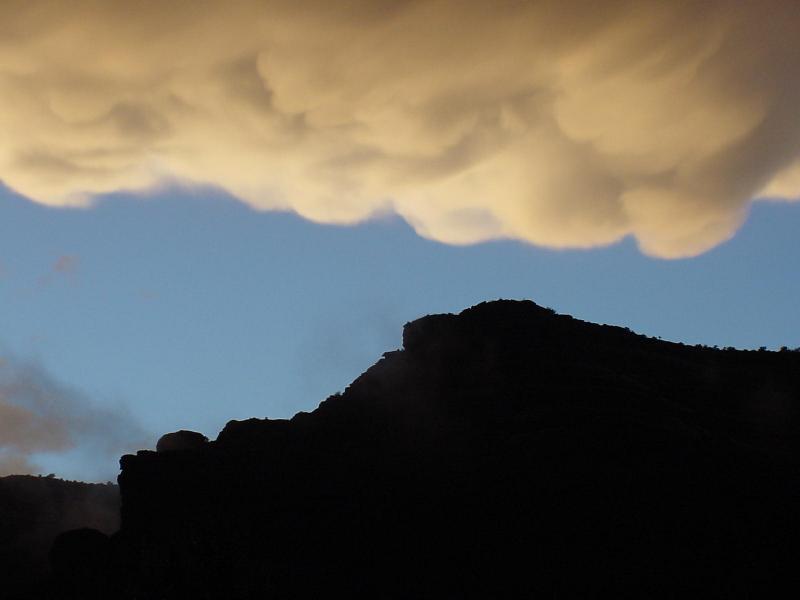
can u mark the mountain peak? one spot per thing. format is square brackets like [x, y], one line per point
[486, 315]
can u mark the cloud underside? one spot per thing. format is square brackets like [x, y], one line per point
[563, 124]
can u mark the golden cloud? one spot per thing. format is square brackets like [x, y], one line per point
[564, 123]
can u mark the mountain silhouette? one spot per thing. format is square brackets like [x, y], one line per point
[504, 452]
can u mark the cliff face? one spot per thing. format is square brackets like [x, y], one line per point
[504, 452]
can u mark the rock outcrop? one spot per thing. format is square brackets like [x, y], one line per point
[181, 441]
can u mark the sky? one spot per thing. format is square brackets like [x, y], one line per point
[211, 212]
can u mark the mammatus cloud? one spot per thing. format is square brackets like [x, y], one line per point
[39, 415]
[561, 123]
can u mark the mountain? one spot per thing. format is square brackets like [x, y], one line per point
[504, 452]
[33, 511]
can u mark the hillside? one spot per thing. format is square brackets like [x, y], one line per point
[504, 452]
[33, 511]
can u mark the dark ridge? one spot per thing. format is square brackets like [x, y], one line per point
[504, 452]
[33, 511]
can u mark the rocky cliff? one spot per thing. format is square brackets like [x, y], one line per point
[504, 452]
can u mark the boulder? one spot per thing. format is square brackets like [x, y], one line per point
[181, 441]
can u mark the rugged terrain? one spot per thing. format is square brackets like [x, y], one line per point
[504, 452]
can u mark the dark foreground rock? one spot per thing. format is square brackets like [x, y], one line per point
[505, 452]
[33, 511]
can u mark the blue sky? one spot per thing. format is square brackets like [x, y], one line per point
[644, 130]
[189, 309]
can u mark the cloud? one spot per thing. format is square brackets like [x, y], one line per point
[65, 264]
[64, 268]
[563, 124]
[39, 416]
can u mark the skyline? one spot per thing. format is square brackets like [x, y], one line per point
[213, 210]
